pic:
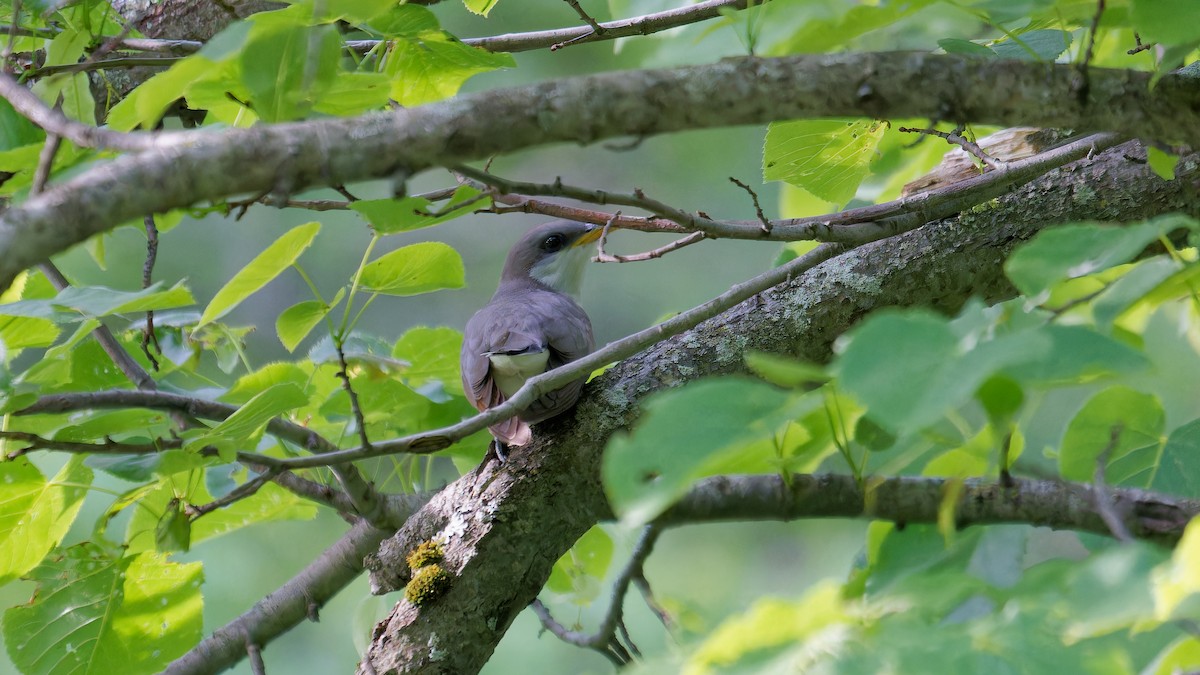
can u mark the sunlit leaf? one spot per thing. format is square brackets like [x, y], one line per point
[433, 66]
[97, 614]
[579, 571]
[35, 514]
[415, 269]
[258, 272]
[829, 157]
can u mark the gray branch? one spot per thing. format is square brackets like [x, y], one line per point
[287, 158]
[913, 499]
[504, 527]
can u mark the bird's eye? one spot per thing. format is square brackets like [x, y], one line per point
[553, 243]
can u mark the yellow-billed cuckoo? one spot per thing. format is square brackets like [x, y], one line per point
[532, 324]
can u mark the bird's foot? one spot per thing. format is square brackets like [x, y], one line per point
[499, 449]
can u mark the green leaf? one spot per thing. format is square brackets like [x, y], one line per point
[252, 384]
[1071, 251]
[909, 369]
[1133, 458]
[1178, 471]
[174, 531]
[243, 427]
[1163, 163]
[580, 570]
[415, 269]
[75, 302]
[682, 430]
[19, 332]
[828, 157]
[432, 355]
[354, 94]
[94, 613]
[1176, 657]
[784, 371]
[35, 514]
[820, 34]
[1176, 584]
[146, 104]
[15, 129]
[433, 66]
[287, 68]
[297, 321]
[258, 272]
[389, 216]
[1001, 397]
[1130, 289]
[1166, 21]
[1077, 354]
[481, 7]
[405, 21]
[769, 624]
[965, 48]
[1036, 45]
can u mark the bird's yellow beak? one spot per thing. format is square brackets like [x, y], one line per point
[589, 237]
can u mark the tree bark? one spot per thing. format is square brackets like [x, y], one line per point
[503, 527]
[284, 159]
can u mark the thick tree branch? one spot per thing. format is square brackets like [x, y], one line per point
[284, 159]
[552, 487]
[913, 499]
[298, 599]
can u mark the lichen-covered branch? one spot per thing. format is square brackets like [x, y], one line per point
[503, 527]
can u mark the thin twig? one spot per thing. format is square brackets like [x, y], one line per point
[605, 639]
[955, 137]
[53, 121]
[762, 217]
[41, 174]
[596, 29]
[101, 64]
[107, 447]
[1105, 505]
[652, 254]
[149, 337]
[1085, 83]
[344, 375]
[237, 494]
[656, 608]
[254, 653]
[1139, 46]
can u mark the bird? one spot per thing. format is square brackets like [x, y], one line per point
[532, 324]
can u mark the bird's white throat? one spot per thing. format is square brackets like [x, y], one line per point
[564, 271]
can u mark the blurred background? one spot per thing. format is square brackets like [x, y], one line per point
[687, 170]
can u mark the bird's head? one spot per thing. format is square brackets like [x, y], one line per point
[553, 254]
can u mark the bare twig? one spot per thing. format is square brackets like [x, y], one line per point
[853, 226]
[1105, 505]
[29, 105]
[254, 653]
[149, 337]
[237, 494]
[107, 447]
[1139, 46]
[605, 639]
[101, 64]
[344, 375]
[762, 217]
[659, 252]
[41, 174]
[955, 137]
[1085, 84]
[597, 29]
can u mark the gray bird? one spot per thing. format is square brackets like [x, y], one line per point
[532, 324]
